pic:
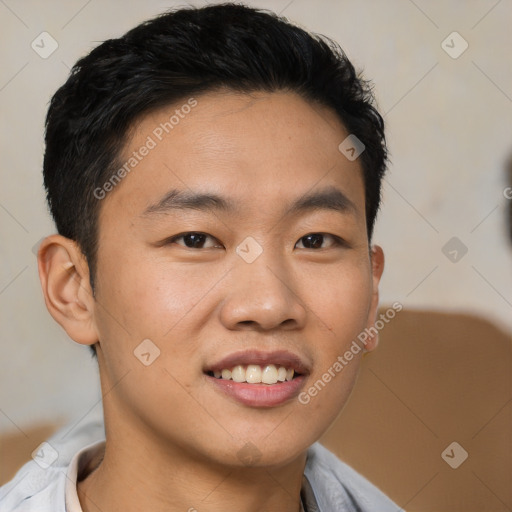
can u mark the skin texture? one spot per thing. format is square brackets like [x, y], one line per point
[172, 438]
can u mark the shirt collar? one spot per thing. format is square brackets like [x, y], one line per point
[307, 497]
[80, 466]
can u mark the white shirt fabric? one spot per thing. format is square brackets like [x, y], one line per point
[329, 484]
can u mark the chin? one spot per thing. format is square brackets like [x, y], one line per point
[265, 452]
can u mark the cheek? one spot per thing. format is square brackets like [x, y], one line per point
[341, 304]
[344, 309]
[143, 301]
[341, 309]
[146, 297]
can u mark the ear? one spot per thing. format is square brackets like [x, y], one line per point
[64, 276]
[377, 262]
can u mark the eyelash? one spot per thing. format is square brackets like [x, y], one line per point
[337, 241]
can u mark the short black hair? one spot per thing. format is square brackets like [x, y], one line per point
[184, 52]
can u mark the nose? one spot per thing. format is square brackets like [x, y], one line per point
[262, 296]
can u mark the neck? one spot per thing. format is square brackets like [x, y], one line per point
[139, 476]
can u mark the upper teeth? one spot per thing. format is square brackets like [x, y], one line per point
[254, 374]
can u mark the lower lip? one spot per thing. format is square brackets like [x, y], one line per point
[260, 395]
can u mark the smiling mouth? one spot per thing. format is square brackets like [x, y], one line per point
[270, 374]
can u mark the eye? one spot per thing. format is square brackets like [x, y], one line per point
[315, 241]
[193, 240]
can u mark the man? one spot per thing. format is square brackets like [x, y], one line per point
[214, 176]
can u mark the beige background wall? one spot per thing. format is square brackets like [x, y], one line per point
[449, 125]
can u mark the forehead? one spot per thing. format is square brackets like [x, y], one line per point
[260, 149]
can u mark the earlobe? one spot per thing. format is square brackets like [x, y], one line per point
[377, 262]
[64, 276]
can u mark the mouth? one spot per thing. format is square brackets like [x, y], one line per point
[259, 379]
[256, 374]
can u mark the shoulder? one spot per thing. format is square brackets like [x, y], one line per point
[40, 485]
[339, 487]
[34, 491]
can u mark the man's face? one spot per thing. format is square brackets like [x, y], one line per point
[256, 282]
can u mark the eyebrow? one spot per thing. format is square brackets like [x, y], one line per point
[329, 198]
